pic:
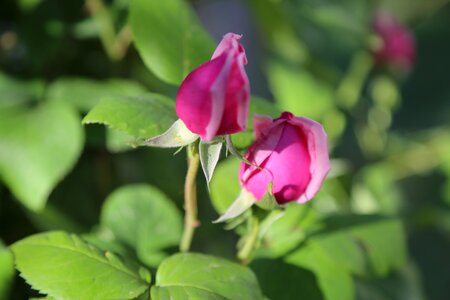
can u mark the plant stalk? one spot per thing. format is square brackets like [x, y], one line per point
[190, 197]
[115, 45]
[244, 254]
[350, 88]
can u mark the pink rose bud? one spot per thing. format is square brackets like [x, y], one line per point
[213, 98]
[397, 43]
[292, 153]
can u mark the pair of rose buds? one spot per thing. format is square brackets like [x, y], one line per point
[289, 152]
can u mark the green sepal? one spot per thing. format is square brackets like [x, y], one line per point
[178, 135]
[209, 157]
[268, 202]
[242, 203]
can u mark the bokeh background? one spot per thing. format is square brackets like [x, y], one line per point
[389, 127]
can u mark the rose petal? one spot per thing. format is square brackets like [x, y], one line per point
[219, 100]
[260, 151]
[260, 123]
[194, 102]
[318, 150]
[237, 95]
[230, 41]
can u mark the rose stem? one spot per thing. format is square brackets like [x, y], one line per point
[190, 197]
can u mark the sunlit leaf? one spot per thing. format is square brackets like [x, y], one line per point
[140, 117]
[144, 219]
[169, 38]
[65, 267]
[204, 277]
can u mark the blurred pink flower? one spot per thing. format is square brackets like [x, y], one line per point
[397, 43]
[213, 98]
[293, 154]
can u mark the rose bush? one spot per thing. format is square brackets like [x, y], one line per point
[116, 215]
[213, 99]
[292, 152]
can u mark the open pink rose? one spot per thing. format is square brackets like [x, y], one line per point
[397, 43]
[292, 153]
[213, 98]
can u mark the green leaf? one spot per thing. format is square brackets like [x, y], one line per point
[337, 18]
[288, 230]
[169, 38]
[376, 193]
[225, 185]
[6, 271]
[402, 284]
[140, 117]
[282, 281]
[300, 92]
[65, 267]
[182, 293]
[118, 141]
[334, 282]
[204, 277]
[103, 239]
[337, 247]
[360, 245]
[37, 149]
[84, 93]
[53, 217]
[209, 157]
[262, 106]
[279, 33]
[143, 218]
[386, 252]
[343, 249]
[16, 92]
